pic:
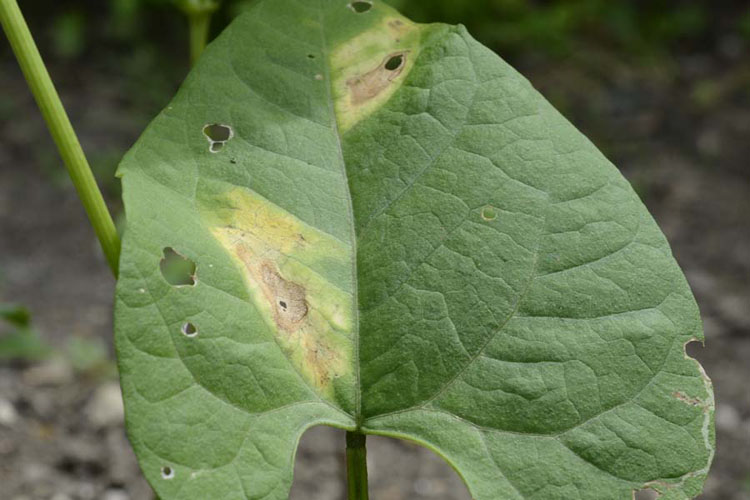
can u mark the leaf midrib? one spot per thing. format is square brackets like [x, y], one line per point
[358, 417]
[353, 232]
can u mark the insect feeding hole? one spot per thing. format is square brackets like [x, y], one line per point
[360, 6]
[394, 62]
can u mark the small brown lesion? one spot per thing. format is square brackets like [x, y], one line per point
[687, 399]
[369, 85]
[287, 297]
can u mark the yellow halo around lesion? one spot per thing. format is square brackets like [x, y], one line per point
[370, 67]
[286, 267]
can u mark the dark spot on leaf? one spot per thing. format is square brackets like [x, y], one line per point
[360, 6]
[395, 62]
[311, 56]
[167, 472]
[189, 330]
[283, 305]
[176, 269]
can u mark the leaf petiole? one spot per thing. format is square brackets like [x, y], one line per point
[356, 466]
[199, 14]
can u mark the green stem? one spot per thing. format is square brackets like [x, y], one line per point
[356, 466]
[199, 27]
[199, 14]
[62, 132]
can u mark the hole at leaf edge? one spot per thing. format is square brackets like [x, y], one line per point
[645, 494]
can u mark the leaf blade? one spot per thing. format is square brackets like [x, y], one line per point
[397, 234]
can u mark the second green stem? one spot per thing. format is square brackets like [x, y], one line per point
[199, 27]
[199, 14]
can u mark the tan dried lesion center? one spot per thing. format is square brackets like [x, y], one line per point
[287, 300]
[369, 68]
[364, 87]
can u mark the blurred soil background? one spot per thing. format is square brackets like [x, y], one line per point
[662, 87]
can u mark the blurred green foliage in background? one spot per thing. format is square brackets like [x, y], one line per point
[553, 27]
[18, 340]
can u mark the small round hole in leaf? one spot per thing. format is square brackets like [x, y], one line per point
[176, 269]
[489, 213]
[360, 6]
[394, 62]
[189, 330]
[167, 472]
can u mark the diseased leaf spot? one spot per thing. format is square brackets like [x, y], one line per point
[489, 213]
[289, 297]
[311, 56]
[176, 269]
[687, 399]
[368, 86]
[360, 6]
[167, 472]
[189, 330]
[218, 135]
[394, 62]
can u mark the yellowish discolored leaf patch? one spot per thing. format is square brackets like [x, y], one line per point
[283, 262]
[369, 68]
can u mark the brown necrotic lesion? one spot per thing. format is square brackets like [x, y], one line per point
[285, 265]
[371, 84]
[287, 298]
